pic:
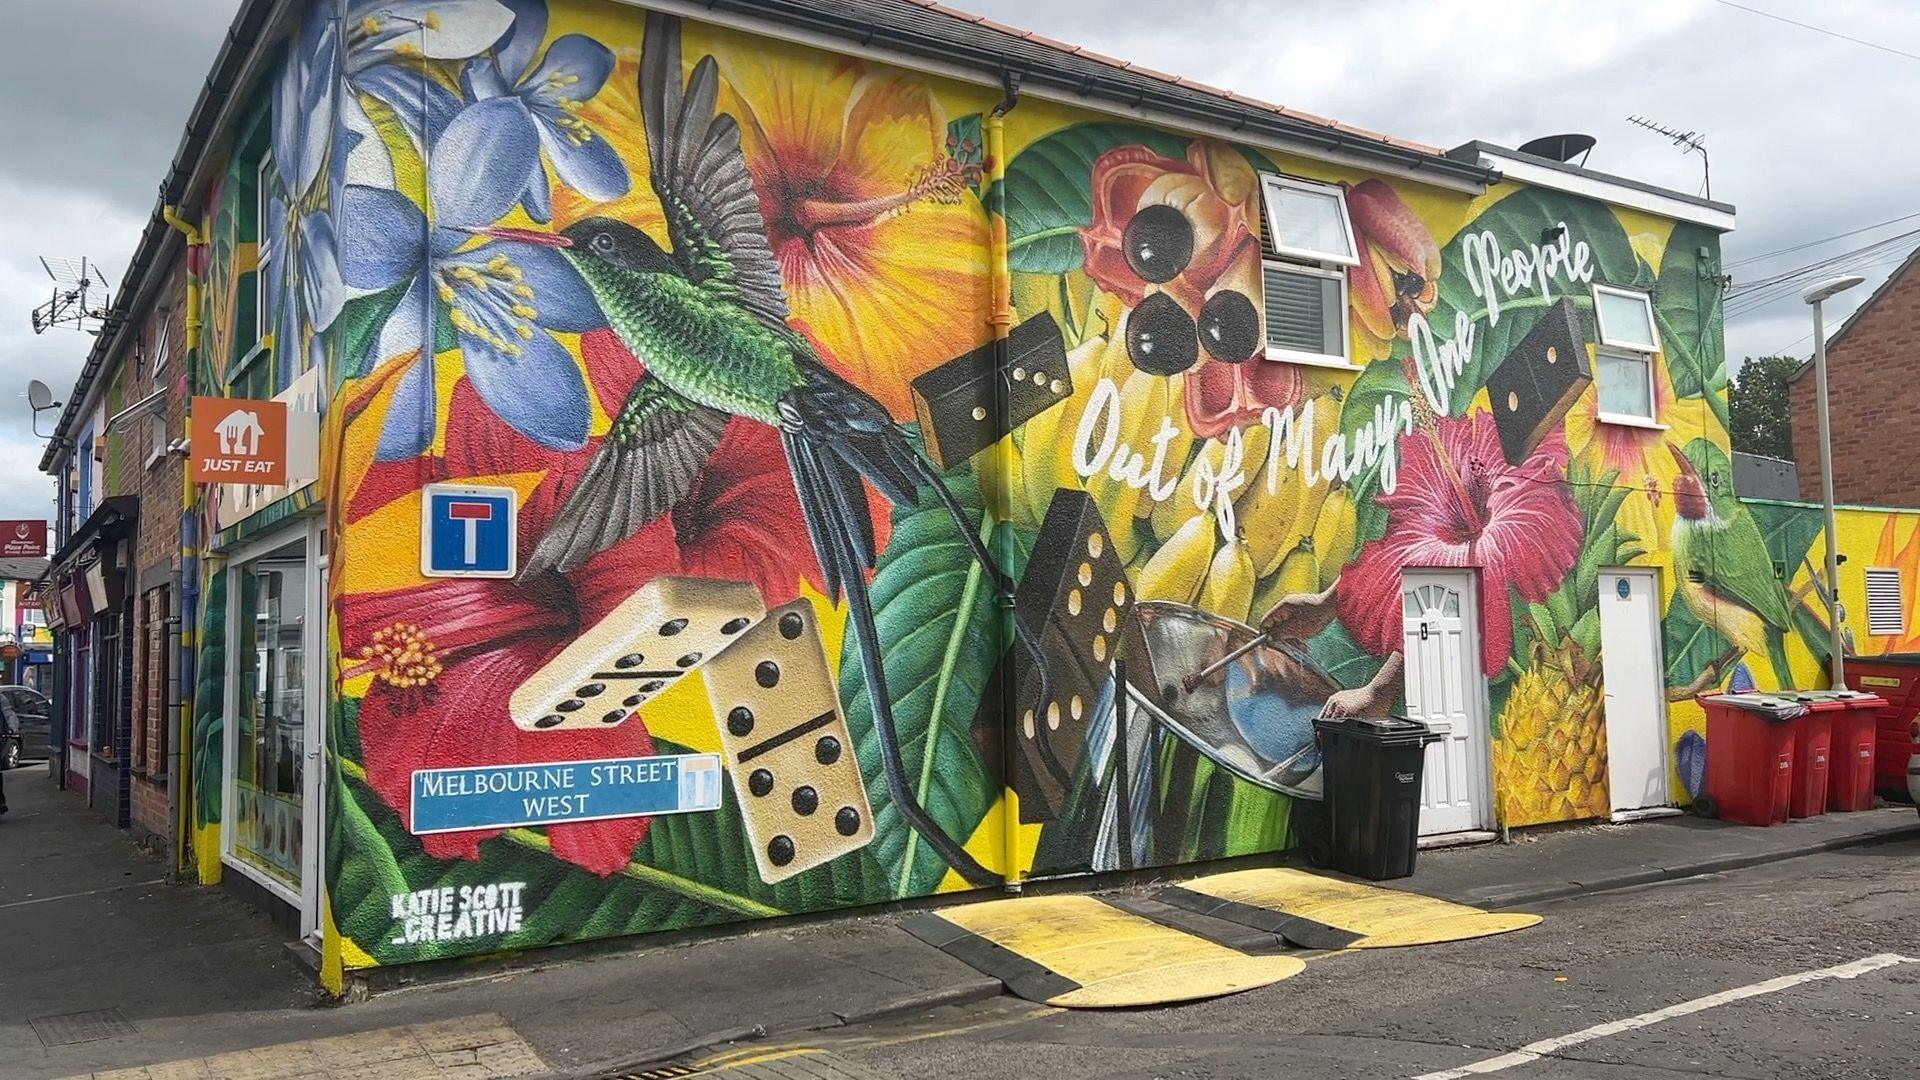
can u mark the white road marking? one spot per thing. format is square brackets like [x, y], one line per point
[1537, 1050]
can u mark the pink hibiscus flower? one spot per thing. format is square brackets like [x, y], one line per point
[1459, 504]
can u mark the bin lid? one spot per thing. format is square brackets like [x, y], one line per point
[1781, 706]
[1836, 699]
[1381, 729]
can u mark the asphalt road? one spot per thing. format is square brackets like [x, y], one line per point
[1814, 952]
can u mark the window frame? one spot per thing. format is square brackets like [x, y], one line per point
[1322, 264]
[1652, 420]
[1282, 354]
[263, 247]
[1602, 339]
[1271, 180]
[1605, 346]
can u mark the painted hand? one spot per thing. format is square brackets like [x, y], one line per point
[1299, 616]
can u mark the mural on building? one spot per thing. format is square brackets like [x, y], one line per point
[719, 312]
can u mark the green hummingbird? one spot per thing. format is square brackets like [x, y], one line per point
[709, 321]
[1724, 572]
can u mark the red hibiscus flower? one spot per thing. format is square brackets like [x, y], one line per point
[1459, 504]
[446, 654]
[1175, 240]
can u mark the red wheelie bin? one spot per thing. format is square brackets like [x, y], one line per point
[1895, 677]
[1851, 763]
[1750, 751]
[1812, 749]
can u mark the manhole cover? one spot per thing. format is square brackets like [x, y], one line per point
[91, 1026]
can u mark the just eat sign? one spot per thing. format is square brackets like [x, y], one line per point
[237, 441]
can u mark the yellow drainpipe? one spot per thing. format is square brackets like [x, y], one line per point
[194, 239]
[182, 746]
[1000, 323]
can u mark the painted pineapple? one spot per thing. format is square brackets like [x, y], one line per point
[1550, 762]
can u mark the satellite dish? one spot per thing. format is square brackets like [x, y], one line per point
[39, 396]
[1559, 147]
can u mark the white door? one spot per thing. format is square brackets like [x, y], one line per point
[1446, 691]
[1635, 693]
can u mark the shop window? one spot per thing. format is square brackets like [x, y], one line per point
[1308, 246]
[1623, 363]
[1886, 606]
[269, 749]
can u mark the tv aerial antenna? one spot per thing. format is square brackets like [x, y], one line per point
[1691, 142]
[75, 284]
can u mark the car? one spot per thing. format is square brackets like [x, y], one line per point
[26, 725]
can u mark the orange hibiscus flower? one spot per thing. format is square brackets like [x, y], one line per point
[875, 227]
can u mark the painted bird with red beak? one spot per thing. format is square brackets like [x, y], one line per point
[1724, 571]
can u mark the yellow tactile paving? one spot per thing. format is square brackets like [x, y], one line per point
[1116, 959]
[478, 1047]
[1383, 918]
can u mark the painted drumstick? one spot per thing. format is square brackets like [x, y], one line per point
[1187, 684]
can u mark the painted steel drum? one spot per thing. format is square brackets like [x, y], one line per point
[1254, 717]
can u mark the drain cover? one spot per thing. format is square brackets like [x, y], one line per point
[91, 1026]
[804, 1064]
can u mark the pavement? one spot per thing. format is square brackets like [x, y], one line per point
[108, 967]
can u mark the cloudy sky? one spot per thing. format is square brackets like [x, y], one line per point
[1808, 133]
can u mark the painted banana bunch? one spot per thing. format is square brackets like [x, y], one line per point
[1046, 447]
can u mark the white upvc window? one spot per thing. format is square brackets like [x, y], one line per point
[1303, 276]
[1308, 221]
[1624, 358]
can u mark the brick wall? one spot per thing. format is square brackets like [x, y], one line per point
[155, 476]
[1873, 384]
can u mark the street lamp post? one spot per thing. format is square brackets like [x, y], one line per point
[1814, 296]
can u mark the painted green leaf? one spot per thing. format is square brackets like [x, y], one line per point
[939, 635]
[1049, 191]
[1690, 645]
[1521, 222]
[1688, 312]
[1342, 658]
[358, 326]
[967, 144]
[209, 704]
[1789, 531]
[1383, 383]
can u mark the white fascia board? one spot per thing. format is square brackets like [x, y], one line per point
[1523, 171]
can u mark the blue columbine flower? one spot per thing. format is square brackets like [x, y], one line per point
[503, 300]
[567, 75]
[386, 41]
[303, 287]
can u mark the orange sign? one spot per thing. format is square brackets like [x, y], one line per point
[238, 441]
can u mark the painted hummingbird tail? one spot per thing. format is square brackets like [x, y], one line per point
[834, 436]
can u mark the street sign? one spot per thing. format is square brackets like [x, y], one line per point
[22, 539]
[237, 441]
[511, 796]
[468, 531]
